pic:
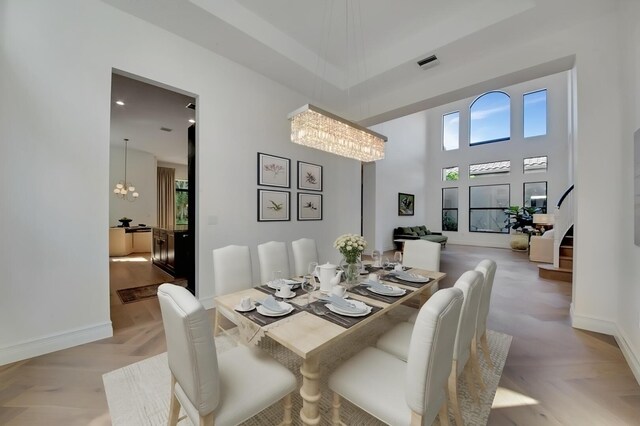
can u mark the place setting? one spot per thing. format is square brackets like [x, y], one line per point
[280, 287]
[338, 308]
[373, 288]
[266, 311]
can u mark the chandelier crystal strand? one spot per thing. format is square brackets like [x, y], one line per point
[315, 128]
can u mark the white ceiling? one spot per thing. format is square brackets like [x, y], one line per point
[346, 52]
[147, 108]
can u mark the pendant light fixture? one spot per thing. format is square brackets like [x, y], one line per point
[316, 128]
[125, 189]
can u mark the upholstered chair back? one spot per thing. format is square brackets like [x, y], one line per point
[487, 268]
[273, 257]
[471, 285]
[431, 351]
[422, 254]
[232, 269]
[190, 347]
[304, 251]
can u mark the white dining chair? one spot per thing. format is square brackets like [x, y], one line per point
[488, 269]
[405, 393]
[422, 254]
[231, 272]
[273, 257]
[226, 389]
[304, 252]
[397, 340]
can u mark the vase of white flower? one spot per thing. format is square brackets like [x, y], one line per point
[351, 247]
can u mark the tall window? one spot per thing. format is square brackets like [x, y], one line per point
[182, 202]
[489, 169]
[490, 118]
[535, 195]
[486, 208]
[449, 209]
[450, 173]
[451, 131]
[535, 113]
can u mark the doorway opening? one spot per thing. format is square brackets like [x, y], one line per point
[151, 234]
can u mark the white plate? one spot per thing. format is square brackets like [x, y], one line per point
[348, 314]
[266, 312]
[413, 278]
[241, 309]
[391, 291]
[291, 296]
[275, 286]
[357, 304]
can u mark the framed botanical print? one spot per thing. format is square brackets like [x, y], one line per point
[309, 176]
[273, 170]
[273, 206]
[405, 204]
[309, 206]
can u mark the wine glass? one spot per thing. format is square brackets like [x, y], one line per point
[385, 262]
[397, 258]
[309, 285]
[375, 256]
[311, 269]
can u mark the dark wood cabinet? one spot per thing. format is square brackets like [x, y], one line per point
[172, 251]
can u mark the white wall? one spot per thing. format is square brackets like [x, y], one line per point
[56, 56]
[142, 172]
[181, 170]
[414, 161]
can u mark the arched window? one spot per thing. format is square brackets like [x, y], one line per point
[490, 118]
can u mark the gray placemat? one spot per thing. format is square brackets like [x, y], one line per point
[341, 320]
[263, 320]
[376, 296]
[397, 280]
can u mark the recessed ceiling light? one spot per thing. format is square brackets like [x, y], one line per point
[191, 120]
[120, 103]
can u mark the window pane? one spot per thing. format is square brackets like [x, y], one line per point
[535, 164]
[490, 119]
[450, 131]
[535, 113]
[489, 169]
[450, 173]
[535, 195]
[489, 196]
[449, 198]
[450, 220]
[182, 202]
[490, 220]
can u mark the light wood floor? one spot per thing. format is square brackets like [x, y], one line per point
[554, 374]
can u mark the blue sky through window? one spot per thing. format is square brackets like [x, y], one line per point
[490, 118]
[535, 113]
[451, 132]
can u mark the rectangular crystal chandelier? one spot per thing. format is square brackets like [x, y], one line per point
[316, 128]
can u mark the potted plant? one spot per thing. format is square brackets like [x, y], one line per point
[520, 223]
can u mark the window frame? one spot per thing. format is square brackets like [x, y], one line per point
[185, 190]
[505, 228]
[546, 192]
[510, 120]
[446, 209]
[443, 130]
[442, 177]
[525, 172]
[489, 174]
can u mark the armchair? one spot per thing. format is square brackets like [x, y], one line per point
[541, 248]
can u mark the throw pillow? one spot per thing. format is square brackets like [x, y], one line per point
[428, 232]
[548, 234]
[415, 229]
[422, 233]
[407, 230]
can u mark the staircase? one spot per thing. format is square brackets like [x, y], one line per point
[563, 272]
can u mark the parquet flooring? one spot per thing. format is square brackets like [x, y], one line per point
[554, 375]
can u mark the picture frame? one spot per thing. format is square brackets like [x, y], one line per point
[309, 206]
[406, 204]
[273, 170]
[309, 176]
[274, 206]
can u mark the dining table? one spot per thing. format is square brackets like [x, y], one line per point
[308, 334]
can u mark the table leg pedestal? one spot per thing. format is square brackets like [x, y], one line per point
[310, 391]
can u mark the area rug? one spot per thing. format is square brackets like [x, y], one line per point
[138, 394]
[136, 294]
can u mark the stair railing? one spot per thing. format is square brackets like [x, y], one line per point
[564, 219]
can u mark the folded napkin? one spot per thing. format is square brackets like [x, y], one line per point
[343, 305]
[381, 288]
[409, 276]
[272, 304]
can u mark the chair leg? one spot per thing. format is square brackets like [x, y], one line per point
[416, 419]
[174, 406]
[336, 409]
[475, 365]
[453, 394]
[207, 420]
[216, 324]
[443, 415]
[471, 383]
[485, 350]
[286, 417]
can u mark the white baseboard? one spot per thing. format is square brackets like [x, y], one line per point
[598, 325]
[55, 342]
[629, 355]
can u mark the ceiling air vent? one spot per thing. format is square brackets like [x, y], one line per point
[191, 106]
[166, 129]
[428, 62]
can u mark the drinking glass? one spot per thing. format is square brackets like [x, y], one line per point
[311, 269]
[397, 257]
[385, 262]
[309, 285]
[375, 256]
[276, 278]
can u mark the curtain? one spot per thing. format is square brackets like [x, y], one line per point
[166, 197]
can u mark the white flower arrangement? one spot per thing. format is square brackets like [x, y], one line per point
[350, 246]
